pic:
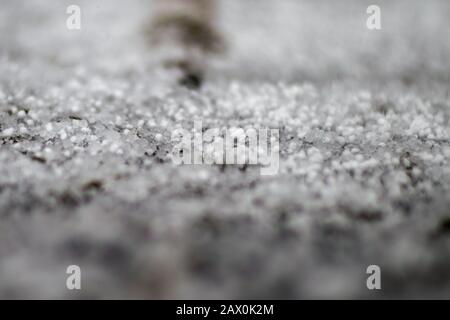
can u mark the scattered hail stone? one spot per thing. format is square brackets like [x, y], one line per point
[63, 135]
[8, 132]
[21, 114]
[158, 137]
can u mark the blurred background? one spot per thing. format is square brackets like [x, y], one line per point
[297, 40]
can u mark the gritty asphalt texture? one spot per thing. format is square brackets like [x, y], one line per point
[86, 175]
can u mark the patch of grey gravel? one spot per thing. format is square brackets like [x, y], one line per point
[86, 175]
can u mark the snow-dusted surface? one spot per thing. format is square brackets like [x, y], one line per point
[85, 177]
